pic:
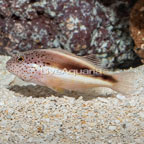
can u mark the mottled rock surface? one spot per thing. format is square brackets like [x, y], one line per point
[79, 26]
[137, 28]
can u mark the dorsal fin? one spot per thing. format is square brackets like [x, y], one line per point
[89, 61]
[93, 59]
[64, 51]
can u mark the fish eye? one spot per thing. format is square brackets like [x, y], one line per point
[20, 58]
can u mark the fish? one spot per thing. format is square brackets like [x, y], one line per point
[61, 70]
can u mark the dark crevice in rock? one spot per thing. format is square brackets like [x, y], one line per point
[15, 17]
[33, 1]
[1, 16]
[28, 19]
[61, 46]
[40, 13]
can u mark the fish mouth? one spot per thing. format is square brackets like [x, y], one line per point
[9, 65]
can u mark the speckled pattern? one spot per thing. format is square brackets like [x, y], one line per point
[137, 28]
[31, 114]
[31, 65]
[59, 70]
[37, 33]
[81, 26]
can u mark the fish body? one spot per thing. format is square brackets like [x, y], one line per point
[59, 69]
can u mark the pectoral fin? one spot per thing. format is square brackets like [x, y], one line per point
[59, 90]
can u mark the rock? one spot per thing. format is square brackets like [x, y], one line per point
[82, 27]
[110, 2]
[137, 28]
[25, 35]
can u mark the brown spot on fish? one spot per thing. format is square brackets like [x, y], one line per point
[47, 63]
[108, 78]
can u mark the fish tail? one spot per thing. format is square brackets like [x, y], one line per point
[125, 83]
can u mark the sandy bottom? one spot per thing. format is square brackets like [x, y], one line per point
[31, 114]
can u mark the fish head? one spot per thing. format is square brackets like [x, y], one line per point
[23, 65]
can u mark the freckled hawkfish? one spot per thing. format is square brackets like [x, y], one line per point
[61, 70]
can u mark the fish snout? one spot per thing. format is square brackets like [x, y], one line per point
[10, 65]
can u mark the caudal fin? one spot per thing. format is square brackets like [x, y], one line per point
[126, 83]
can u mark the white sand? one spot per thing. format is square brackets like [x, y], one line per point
[31, 114]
